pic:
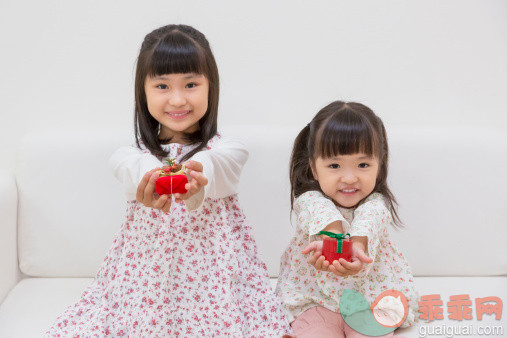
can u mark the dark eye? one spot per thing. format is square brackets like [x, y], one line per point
[334, 166]
[191, 85]
[364, 165]
[162, 86]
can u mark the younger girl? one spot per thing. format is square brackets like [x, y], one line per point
[338, 175]
[186, 266]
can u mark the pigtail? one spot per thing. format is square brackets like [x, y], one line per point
[381, 184]
[301, 177]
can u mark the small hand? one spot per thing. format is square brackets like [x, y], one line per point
[317, 260]
[196, 181]
[146, 192]
[339, 267]
[342, 267]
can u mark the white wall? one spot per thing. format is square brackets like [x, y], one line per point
[70, 64]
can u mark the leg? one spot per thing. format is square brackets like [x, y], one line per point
[317, 322]
[351, 333]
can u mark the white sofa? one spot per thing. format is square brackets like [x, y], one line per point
[61, 206]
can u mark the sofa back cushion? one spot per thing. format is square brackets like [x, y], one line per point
[450, 184]
[70, 205]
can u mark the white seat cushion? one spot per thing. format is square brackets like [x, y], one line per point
[34, 304]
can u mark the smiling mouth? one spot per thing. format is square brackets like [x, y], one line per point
[349, 191]
[178, 114]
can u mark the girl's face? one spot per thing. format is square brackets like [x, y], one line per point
[347, 179]
[177, 102]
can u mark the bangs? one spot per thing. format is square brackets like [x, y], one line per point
[176, 53]
[346, 133]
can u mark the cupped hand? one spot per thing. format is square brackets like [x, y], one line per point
[147, 195]
[196, 181]
[339, 267]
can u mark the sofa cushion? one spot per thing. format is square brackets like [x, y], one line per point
[8, 233]
[450, 184]
[34, 304]
[70, 205]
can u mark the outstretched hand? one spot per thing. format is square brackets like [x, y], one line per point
[147, 195]
[196, 181]
[339, 267]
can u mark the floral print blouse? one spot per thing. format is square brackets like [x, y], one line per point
[301, 286]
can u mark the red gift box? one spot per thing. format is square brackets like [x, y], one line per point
[172, 179]
[331, 250]
[171, 184]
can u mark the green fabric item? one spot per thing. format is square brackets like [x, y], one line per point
[356, 312]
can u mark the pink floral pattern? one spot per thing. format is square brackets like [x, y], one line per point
[179, 274]
[301, 286]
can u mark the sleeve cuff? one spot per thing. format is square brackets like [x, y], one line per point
[207, 171]
[194, 202]
[361, 228]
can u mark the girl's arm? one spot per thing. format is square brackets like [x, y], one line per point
[129, 165]
[370, 222]
[316, 213]
[220, 165]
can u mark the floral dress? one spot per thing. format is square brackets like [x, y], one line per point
[301, 286]
[179, 274]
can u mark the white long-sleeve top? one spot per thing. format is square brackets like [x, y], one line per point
[222, 164]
